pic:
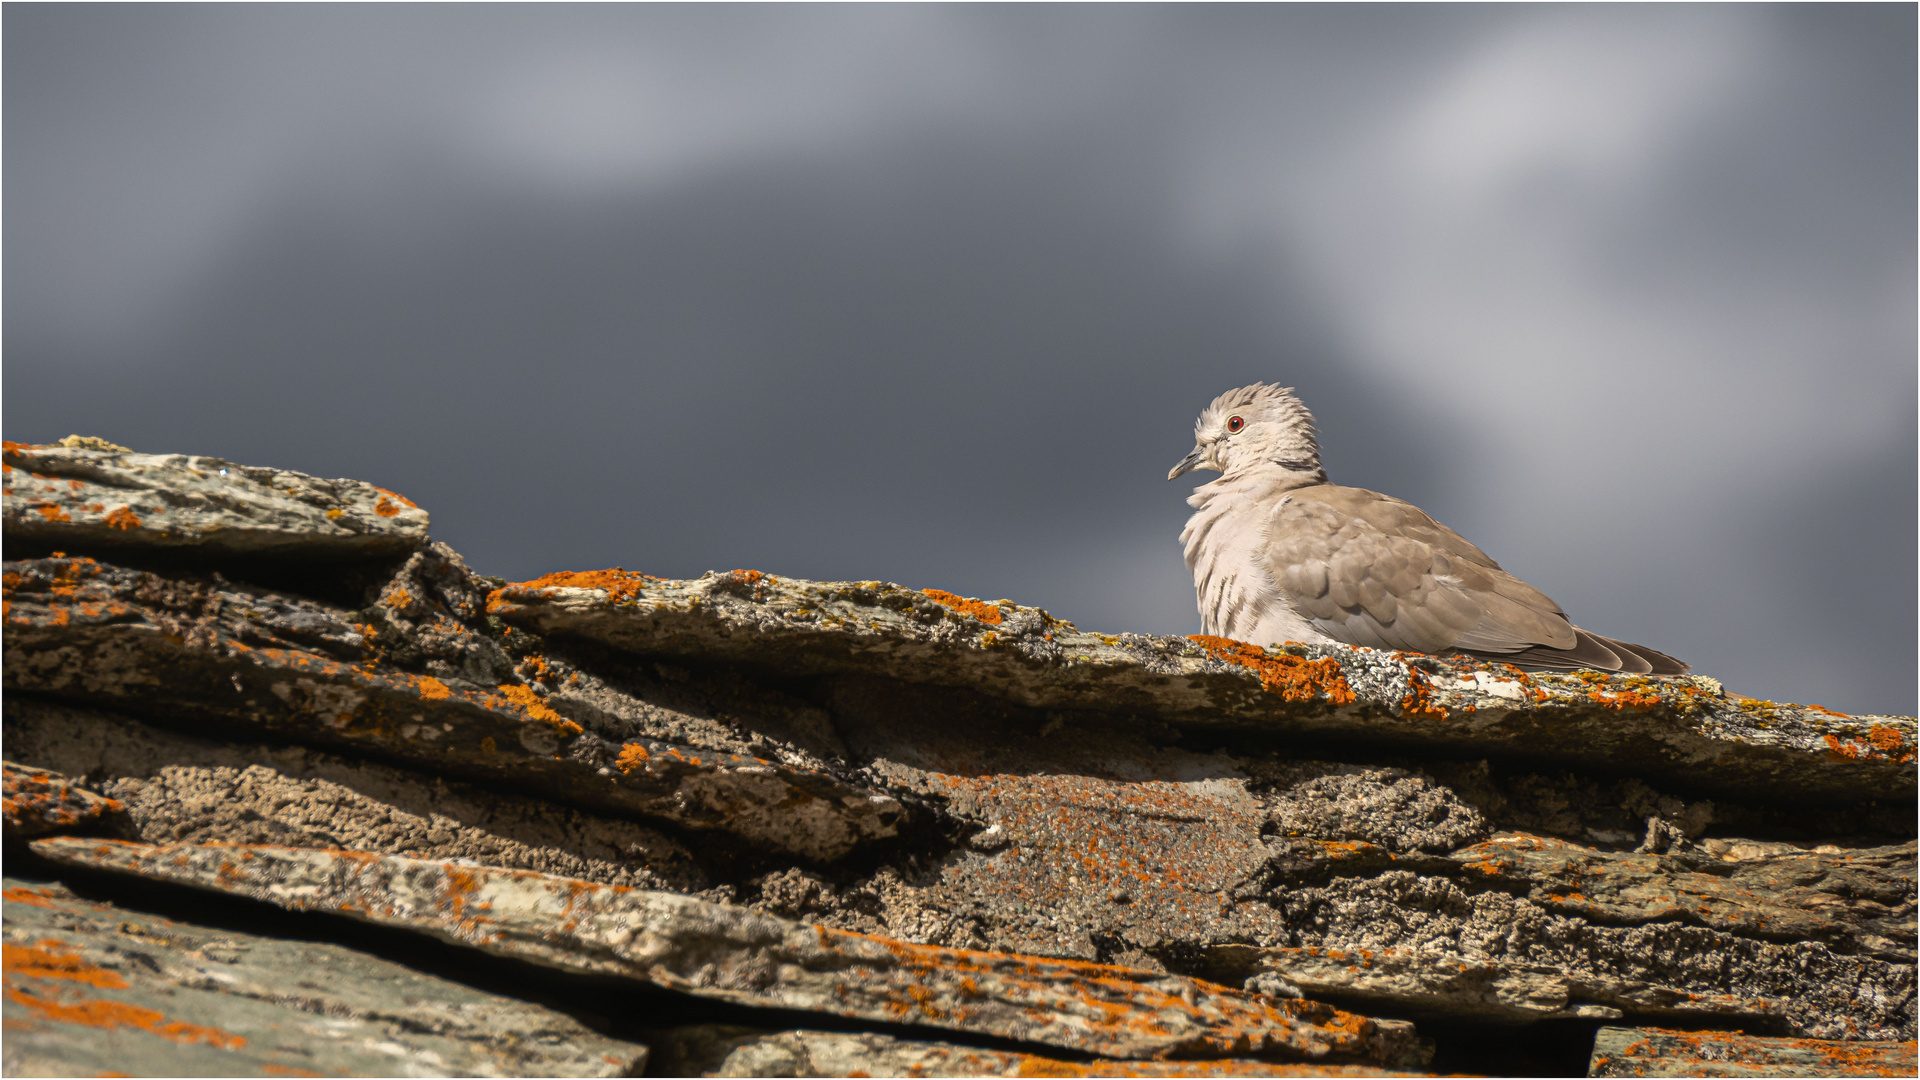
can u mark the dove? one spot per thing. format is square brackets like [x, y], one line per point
[1279, 554]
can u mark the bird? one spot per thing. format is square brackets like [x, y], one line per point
[1278, 554]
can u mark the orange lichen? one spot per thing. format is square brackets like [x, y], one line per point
[988, 613]
[621, 585]
[524, 697]
[1889, 740]
[385, 508]
[1294, 678]
[45, 961]
[52, 512]
[336, 514]
[122, 519]
[433, 689]
[397, 497]
[35, 897]
[632, 756]
[397, 599]
[96, 1013]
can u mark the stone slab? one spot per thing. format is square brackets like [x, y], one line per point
[1623, 1051]
[95, 989]
[1685, 730]
[174, 787]
[81, 498]
[39, 801]
[1859, 900]
[732, 954]
[713, 1050]
[249, 658]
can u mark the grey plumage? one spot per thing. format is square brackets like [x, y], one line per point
[1279, 554]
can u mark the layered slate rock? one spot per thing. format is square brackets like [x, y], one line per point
[805, 788]
[731, 954]
[251, 658]
[714, 1050]
[1678, 728]
[171, 787]
[95, 989]
[91, 495]
[40, 801]
[1619, 1051]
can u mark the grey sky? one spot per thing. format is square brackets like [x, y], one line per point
[1624, 294]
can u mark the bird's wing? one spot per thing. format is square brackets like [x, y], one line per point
[1371, 570]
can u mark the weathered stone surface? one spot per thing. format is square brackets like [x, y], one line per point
[1684, 729]
[178, 788]
[714, 1050]
[39, 801]
[114, 636]
[1854, 901]
[84, 499]
[1437, 839]
[1098, 844]
[1622, 1051]
[93, 989]
[736, 955]
[1444, 945]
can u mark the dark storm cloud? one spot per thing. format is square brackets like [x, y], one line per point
[933, 294]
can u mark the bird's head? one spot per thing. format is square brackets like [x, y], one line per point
[1253, 426]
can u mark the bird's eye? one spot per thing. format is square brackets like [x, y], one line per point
[1235, 424]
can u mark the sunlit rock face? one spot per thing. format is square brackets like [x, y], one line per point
[756, 823]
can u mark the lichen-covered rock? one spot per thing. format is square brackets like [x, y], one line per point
[1622, 1051]
[41, 801]
[713, 1050]
[198, 650]
[86, 498]
[1394, 808]
[97, 990]
[1855, 901]
[175, 787]
[1683, 728]
[732, 954]
[1438, 943]
[862, 800]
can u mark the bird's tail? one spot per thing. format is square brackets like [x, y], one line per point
[1590, 650]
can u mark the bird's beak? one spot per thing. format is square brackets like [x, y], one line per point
[1189, 463]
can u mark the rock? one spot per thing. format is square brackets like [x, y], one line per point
[40, 801]
[1682, 729]
[734, 1051]
[94, 989]
[915, 816]
[247, 657]
[732, 954]
[175, 788]
[1622, 1051]
[1858, 901]
[85, 498]
[1399, 939]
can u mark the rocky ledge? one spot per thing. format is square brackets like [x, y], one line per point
[604, 823]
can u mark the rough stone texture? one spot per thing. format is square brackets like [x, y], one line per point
[1620, 1051]
[1683, 728]
[1391, 807]
[1858, 901]
[242, 655]
[732, 954]
[1445, 841]
[40, 801]
[92, 989]
[714, 1050]
[1407, 938]
[177, 788]
[82, 498]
